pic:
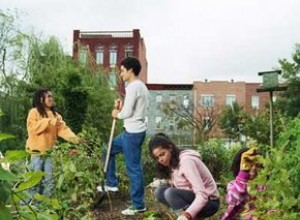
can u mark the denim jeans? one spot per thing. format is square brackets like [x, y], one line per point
[42, 163]
[180, 199]
[130, 145]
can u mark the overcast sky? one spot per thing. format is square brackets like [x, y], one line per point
[186, 40]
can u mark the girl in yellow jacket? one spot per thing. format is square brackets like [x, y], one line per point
[44, 125]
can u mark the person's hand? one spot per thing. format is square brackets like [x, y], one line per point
[184, 216]
[115, 113]
[158, 182]
[55, 122]
[248, 159]
[118, 104]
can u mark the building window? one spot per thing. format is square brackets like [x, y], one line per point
[255, 102]
[113, 55]
[172, 124]
[112, 80]
[207, 100]
[230, 99]
[172, 98]
[158, 101]
[206, 123]
[128, 50]
[100, 55]
[185, 101]
[83, 55]
[113, 59]
[158, 122]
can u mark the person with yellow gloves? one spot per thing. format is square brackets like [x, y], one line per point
[245, 167]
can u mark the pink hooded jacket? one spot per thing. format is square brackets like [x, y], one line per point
[192, 174]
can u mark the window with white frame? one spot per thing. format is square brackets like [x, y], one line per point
[158, 122]
[172, 124]
[128, 50]
[207, 100]
[172, 98]
[83, 55]
[206, 123]
[113, 58]
[158, 101]
[100, 55]
[113, 55]
[112, 80]
[185, 101]
[230, 99]
[255, 102]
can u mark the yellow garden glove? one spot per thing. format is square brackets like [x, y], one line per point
[249, 158]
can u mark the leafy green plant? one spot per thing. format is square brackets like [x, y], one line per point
[280, 175]
[214, 155]
[78, 171]
[14, 202]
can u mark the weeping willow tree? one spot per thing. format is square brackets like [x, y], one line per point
[29, 62]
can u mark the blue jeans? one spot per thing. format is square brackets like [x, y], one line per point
[180, 199]
[42, 163]
[130, 144]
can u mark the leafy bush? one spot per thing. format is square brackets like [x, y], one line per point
[281, 177]
[14, 183]
[78, 171]
[215, 155]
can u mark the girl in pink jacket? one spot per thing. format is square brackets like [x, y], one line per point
[240, 204]
[191, 190]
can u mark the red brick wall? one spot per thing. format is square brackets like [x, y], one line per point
[263, 98]
[139, 49]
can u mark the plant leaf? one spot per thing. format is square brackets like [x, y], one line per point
[4, 213]
[4, 136]
[8, 176]
[34, 179]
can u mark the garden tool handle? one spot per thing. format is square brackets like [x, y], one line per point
[109, 144]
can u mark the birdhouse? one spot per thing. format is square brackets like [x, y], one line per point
[270, 78]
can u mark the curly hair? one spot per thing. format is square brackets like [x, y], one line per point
[39, 100]
[160, 140]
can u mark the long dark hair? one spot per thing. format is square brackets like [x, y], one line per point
[163, 141]
[39, 100]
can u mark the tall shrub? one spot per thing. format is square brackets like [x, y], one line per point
[280, 175]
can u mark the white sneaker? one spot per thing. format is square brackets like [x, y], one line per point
[108, 188]
[132, 211]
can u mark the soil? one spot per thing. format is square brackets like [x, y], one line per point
[111, 207]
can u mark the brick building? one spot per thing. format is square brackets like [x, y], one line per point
[205, 100]
[105, 49]
[157, 121]
[255, 102]
[217, 95]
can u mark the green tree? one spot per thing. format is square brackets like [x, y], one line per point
[290, 103]
[76, 101]
[13, 100]
[233, 120]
